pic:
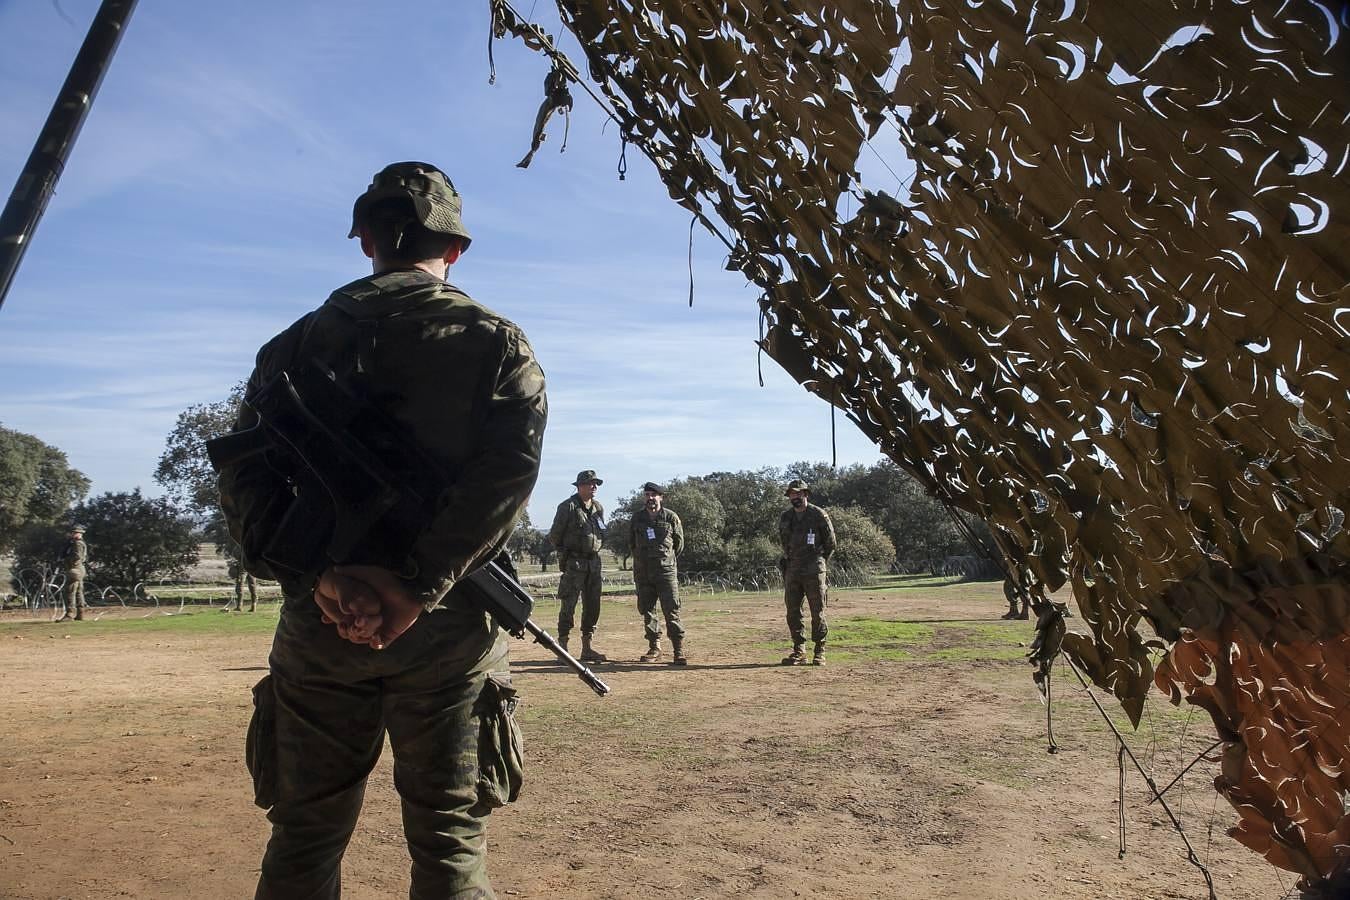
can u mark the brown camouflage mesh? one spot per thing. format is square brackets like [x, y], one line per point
[1080, 266]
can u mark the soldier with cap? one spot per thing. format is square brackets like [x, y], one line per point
[578, 532]
[73, 558]
[408, 657]
[807, 536]
[657, 539]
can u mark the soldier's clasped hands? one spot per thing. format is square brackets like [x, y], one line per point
[368, 604]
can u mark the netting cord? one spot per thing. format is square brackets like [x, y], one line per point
[692, 222]
[492, 63]
[1202, 755]
[834, 443]
[570, 70]
[1120, 804]
[759, 355]
[1125, 751]
[1049, 724]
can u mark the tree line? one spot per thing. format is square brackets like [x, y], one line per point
[884, 519]
[133, 538]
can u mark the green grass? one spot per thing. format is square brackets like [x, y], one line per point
[190, 623]
[907, 582]
[860, 638]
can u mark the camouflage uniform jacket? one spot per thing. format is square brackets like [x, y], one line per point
[657, 538]
[577, 530]
[807, 537]
[74, 557]
[458, 379]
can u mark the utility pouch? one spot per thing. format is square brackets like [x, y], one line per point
[501, 751]
[260, 745]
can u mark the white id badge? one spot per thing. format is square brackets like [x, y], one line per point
[810, 539]
[651, 534]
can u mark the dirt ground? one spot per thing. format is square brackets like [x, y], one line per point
[913, 765]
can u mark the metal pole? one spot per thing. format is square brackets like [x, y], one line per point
[38, 179]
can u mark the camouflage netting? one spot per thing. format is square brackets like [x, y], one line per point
[1100, 300]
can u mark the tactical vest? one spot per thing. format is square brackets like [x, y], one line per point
[654, 536]
[804, 537]
[584, 531]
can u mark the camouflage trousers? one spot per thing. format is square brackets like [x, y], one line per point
[73, 593]
[319, 727]
[240, 581]
[657, 583]
[807, 585]
[580, 580]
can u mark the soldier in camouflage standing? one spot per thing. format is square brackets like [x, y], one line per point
[657, 538]
[242, 578]
[409, 656]
[578, 532]
[73, 558]
[807, 536]
[1016, 588]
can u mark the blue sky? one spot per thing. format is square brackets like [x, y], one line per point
[207, 202]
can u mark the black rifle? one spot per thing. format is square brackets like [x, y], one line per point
[356, 479]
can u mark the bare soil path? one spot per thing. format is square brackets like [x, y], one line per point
[913, 765]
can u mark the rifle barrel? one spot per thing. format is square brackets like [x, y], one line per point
[543, 637]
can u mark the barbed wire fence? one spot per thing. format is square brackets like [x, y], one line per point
[41, 590]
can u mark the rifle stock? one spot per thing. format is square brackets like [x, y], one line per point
[506, 600]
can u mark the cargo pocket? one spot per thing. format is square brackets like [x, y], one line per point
[501, 752]
[260, 745]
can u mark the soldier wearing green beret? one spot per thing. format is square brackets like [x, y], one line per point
[408, 656]
[657, 539]
[578, 532]
[807, 536]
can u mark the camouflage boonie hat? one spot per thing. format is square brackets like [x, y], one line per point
[586, 475]
[78, 529]
[435, 202]
[797, 484]
[654, 488]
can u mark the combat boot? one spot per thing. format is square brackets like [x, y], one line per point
[1010, 614]
[562, 639]
[797, 657]
[1023, 615]
[589, 653]
[818, 656]
[679, 659]
[653, 651]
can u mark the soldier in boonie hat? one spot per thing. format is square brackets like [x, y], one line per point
[796, 484]
[73, 558]
[579, 532]
[436, 205]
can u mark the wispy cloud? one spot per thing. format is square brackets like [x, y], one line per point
[206, 207]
